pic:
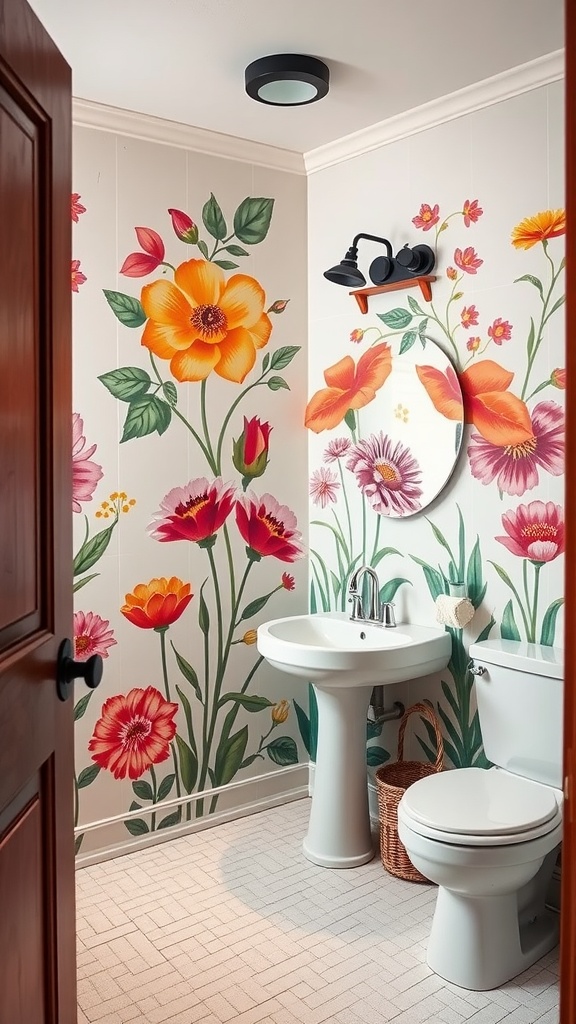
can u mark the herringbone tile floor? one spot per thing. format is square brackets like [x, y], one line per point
[233, 924]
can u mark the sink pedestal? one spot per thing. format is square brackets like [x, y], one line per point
[339, 833]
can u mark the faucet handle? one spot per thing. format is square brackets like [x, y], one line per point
[387, 616]
[356, 601]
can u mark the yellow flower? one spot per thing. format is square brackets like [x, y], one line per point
[531, 230]
[203, 322]
[249, 637]
[280, 712]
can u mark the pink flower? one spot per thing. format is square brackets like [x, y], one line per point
[468, 261]
[427, 217]
[91, 636]
[139, 264]
[134, 731]
[500, 331]
[194, 512]
[451, 273]
[268, 528]
[77, 276]
[337, 448]
[184, 227]
[288, 581]
[356, 335]
[515, 466]
[473, 344]
[85, 473]
[535, 531]
[388, 476]
[558, 379]
[76, 206]
[469, 316]
[471, 212]
[323, 486]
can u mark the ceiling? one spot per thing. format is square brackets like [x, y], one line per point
[184, 60]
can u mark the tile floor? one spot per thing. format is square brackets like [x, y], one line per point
[232, 924]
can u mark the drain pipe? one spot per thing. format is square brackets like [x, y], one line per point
[377, 712]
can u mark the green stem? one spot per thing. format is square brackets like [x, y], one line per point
[245, 685]
[521, 607]
[165, 263]
[154, 797]
[363, 530]
[205, 716]
[543, 319]
[341, 538]
[345, 495]
[76, 801]
[218, 605]
[376, 538]
[162, 631]
[183, 419]
[537, 568]
[437, 320]
[208, 444]
[228, 417]
[529, 637]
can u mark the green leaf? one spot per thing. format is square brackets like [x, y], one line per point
[203, 249]
[283, 750]
[303, 725]
[188, 672]
[250, 760]
[170, 819]
[265, 362]
[254, 607]
[136, 826]
[559, 302]
[249, 702]
[531, 280]
[373, 730]
[389, 589]
[214, 219]
[252, 220]
[508, 628]
[376, 756]
[422, 330]
[144, 416]
[433, 578]
[549, 622]
[87, 776]
[439, 536]
[485, 633]
[531, 338]
[503, 575]
[126, 308]
[381, 553]
[203, 613]
[80, 707]
[236, 250]
[276, 383]
[143, 790]
[475, 586]
[127, 382]
[408, 340]
[283, 357]
[350, 420]
[397, 319]
[188, 716]
[170, 393]
[188, 764]
[165, 786]
[82, 583]
[226, 264]
[92, 550]
[229, 756]
[414, 306]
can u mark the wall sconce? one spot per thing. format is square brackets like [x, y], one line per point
[409, 263]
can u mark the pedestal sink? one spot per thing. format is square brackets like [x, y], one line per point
[344, 660]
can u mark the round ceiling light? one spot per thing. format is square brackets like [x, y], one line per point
[287, 79]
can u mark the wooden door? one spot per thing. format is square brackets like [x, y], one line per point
[37, 940]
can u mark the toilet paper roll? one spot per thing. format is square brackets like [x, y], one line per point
[454, 611]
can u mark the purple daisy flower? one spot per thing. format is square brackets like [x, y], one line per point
[337, 448]
[387, 474]
[515, 466]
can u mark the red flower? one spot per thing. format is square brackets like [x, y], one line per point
[91, 636]
[76, 207]
[133, 732]
[268, 527]
[427, 217]
[469, 316]
[77, 276]
[473, 343]
[468, 260]
[356, 335]
[250, 451]
[471, 212]
[184, 227]
[288, 581]
[157, 604]
[193, 512]
[139, 264]
[500, 331]
[535, 531]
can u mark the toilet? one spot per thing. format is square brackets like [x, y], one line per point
[489, 838]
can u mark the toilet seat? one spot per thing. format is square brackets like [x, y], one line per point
[475, 807]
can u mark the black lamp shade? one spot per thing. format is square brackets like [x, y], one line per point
[287, 79]
[346, 273]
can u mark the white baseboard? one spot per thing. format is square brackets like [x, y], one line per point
[254, 795]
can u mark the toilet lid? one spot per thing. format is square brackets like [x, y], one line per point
[473, 801]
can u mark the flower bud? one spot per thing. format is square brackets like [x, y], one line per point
[250, 451]
[250, 637]
[280, 712]
[558, 379]
[278, 306]
[184, 227]
[356, 335]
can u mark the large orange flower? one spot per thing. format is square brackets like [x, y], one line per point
[349, 387]
[202, 322]
[157, 604]
[443, 390]
[531, 230]
[499, 416]
[133, 732]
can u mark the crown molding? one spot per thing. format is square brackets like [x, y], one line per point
[87, 114]
[524, 78]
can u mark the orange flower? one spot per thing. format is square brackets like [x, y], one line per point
[133, 732]
[349, 387]
[531, 230]
[500, 417]
[157, 604]
[202, 322]
[443, 390]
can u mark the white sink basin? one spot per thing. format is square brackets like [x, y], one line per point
[344, 660]
[329, 648]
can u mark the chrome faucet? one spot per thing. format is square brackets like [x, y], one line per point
[378, 612]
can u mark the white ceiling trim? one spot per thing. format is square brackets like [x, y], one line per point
[87, 114]
[525, 77]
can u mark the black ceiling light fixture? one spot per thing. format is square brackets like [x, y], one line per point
[287, 79]
[408, 263]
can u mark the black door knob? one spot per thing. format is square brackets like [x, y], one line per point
[67, 670]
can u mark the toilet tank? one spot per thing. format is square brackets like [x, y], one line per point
[520, 706]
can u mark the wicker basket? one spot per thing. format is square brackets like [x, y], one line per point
[392, 781]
